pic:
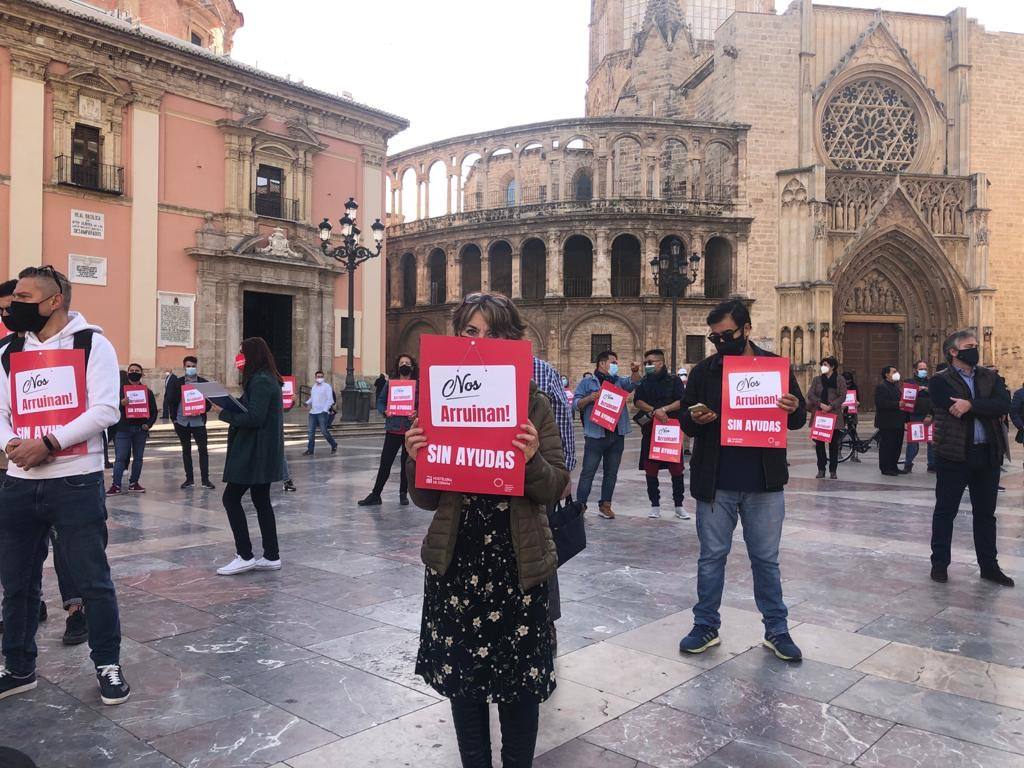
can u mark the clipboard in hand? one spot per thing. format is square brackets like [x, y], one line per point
[214, 392]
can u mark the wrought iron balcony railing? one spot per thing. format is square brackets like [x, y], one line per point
[274, 207]
[95, 176]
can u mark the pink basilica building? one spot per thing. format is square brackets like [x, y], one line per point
[180, 190]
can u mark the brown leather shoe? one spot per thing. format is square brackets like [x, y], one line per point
[604, 509]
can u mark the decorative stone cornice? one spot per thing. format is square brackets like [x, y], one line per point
[28, 65]
[374, 157]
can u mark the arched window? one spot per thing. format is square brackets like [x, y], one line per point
[534, 269]
[627, 172]
[408, 280]
[437, 266]
[870, 125]
[674, 170]
[500, 254]
[510, 193]
[583, 185]
[717, 268]
[625, 266]
[470, 269]
[578, 267]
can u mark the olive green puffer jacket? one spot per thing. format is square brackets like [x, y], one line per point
[546, 478]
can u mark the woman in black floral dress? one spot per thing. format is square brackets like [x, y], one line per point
[484, 636]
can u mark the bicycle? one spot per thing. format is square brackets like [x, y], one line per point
[851, 444]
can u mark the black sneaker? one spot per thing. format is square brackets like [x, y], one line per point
[939, 574]
[208, 484]
[187, 484]
[403, 499]
[334, 450]
[289, 486]
[42, 611]
[782, 645]
[998, 577]
[701, 638]
[11, 685]
[373, 500]
[76, 630]
[114, 689]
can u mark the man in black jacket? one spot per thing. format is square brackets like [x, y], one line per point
[660, 395]
[189, 427]
[131, 435]
[970, 444]
[890, 421]
[731, 484]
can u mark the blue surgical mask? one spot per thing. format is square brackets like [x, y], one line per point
[922, 374]
[191, 371]
[613, 369]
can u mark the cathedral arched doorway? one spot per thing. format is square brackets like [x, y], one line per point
[895, 302]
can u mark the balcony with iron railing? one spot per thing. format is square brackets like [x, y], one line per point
[274, 207]
[577, 287]
[97, 177]
[625, 286]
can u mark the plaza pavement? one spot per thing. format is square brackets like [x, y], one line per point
[312, 666]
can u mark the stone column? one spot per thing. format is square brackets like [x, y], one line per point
[452, 278]
[485, 266]
[554, 270]
[602, 265]
[25, 225]
[609, 178]
[142, 325]
[373, 329]
[448, 193]
[422, 278]
[426, 198]
[697, 244]
[419, 197]
[742, 261]
[647, 286]
[517, 271]
[562, 195]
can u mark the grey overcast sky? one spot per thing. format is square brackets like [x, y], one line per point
[459, 66]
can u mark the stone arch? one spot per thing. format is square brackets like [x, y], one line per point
[409, 339]
[533, 268]
[577, 267]
[408, 268]
[626, 264]
[499, 256]
[576, 338]
[717, 268]
[582, 186]
[627, 166]
[437, 276]
[719, 168]
[535, 338]
[674, 167]
[470, 262]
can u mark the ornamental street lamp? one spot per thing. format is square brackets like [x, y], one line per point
[670, 274]
[350, 254]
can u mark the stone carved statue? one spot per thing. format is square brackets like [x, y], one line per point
[874, 294]
[278, 245]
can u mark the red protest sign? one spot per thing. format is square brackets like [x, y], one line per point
[608, 407]
[908, 396]
[47, 391]
[823, 426]
[930, 433]
[474, 395]
[918, 432]
[401, 397]
[751, 388]
[239, 361]
[570, 396]
[287, 392]
[138, 402]
[3, 329]
[192, 401]
[666, 442]
[850, 403]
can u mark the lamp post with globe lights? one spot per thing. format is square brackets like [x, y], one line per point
[670, 274]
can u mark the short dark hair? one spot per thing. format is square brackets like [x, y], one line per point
[7, 288]
[59, 281]
[318, 373]
[733, 308]
[918, 362]
[656, 352]
[886, 369]
[191, 359]
[415, 367]
[602, 356]
[955, 338]
[137, 365]
[941, 367]
[831, 362]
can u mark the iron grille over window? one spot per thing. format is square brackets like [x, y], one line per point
[695, 349]
[870, 125]
[599, 342]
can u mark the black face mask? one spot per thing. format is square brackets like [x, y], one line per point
[405, 370]
[737, 345]
[24, 317]
[966, 356]
[134, 377]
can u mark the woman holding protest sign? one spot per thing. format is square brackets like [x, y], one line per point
[254, 460]
[396, 402]
[484, 635]
[827, 395]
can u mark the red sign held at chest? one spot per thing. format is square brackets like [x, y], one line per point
[918, 432]
[908, 397]
[47, 391]
[288, 392]
[474, 395]
[823, 427]
[666, 442]
[610, 403]
[138, 402]
[401, 397]
[192, 401]
[850, 403]
[751, 388]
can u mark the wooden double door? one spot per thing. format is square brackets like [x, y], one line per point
[867, 348]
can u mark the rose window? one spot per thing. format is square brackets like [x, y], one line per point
[870, 125]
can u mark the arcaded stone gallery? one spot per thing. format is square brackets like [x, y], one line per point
[840, 169]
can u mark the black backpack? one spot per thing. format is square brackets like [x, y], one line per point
[15, 343]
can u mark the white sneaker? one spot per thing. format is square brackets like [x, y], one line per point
[262, 564]
[238, 565]
[655, 513]
[681, 514]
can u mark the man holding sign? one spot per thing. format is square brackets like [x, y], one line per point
[189, 408]
[58, 392]
[660, 396]
[138, 415]
[601, 399]
[742, 478]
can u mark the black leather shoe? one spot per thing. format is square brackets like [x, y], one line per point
[939, 574]
[373, 500]
[403, 499]
[997, 577]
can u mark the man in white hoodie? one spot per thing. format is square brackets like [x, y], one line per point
[55, 477]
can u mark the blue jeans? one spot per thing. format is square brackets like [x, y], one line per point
[605, 450]
[762, 515]
[913, 448]
[320, 421]
[129, 441]
[74, 506]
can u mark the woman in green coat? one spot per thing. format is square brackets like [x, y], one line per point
[254, 460]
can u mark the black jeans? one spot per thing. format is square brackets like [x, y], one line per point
[185, 435]
[833, 453]
[518, 732]
[75, 507]
[260, 495]
[980, 476]
[890, 445]
[392, 445]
